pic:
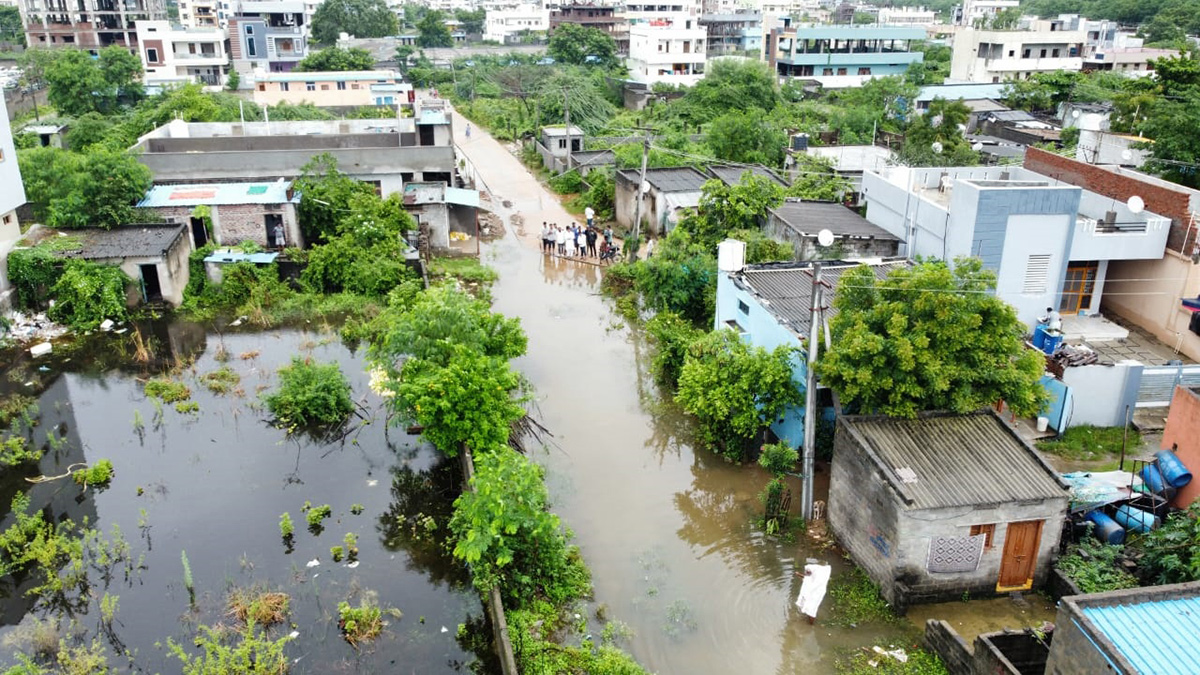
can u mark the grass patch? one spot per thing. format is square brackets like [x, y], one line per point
[262, 607]
[168, 391]
[464, 269]
[221, 380]
[855, 600]
[1088, 443]
[97, 475]
[1093, 567]
[866, 661]
[359, 624]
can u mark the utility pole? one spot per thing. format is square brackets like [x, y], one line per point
[567, 114]
[637, 204]
[810, 399]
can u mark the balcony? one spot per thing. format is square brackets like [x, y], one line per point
[1015, 65]
[853, 59]
[1136, 239]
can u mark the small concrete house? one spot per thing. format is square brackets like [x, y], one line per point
[942, 505]
[1135, 631]
[669, 192]
[557, 145]
[239, 211]
[154, 256]
[799, 222]
[444, 209]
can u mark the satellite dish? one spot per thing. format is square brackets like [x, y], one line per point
[962, 128]
[1126, 154]
[977, 146]
[1136, 204]
[1074, 113]
[645, 187]
[937, 146]
[825, 238]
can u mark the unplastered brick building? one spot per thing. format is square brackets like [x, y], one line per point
[229, 213]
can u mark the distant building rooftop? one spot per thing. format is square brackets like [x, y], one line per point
[955, 92]
[852, 158]
[732, 175]
[218, 194]
[233, 255]
[1153, 629]
[675, 179]
[561, 130]
[127, 241]
[809, 218]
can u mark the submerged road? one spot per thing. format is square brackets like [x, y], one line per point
[667, 531]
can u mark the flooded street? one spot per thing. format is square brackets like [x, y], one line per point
[214, 483]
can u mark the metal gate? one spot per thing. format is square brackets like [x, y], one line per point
[1158, 384]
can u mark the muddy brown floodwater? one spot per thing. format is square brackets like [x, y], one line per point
[667, 530]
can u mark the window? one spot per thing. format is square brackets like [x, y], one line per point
[1025, 54]
[324, 87]
[562, 144]
[1012, 53]
[1043, 53]
[251, 48]
[354, 85]
[864, 71]
[1037, 272]
[249, 30]
[743, 307]
[341, 86]
[8, 219]
[841, 71]
[1054, 53]
[988, 531]
[736, 327]
[152, 55]
[262, 86]
[283, 86]
[310, 86]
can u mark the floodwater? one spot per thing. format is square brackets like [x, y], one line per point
[213, 484]
[669, 531]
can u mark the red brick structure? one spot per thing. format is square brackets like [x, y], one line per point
[1183, 434]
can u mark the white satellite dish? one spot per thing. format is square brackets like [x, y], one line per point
[1126, 154]
[1136, 204]
[937, 146]
[1074, 113]
[962, 128]
[645, 187]
[977, 146]
[825, 238]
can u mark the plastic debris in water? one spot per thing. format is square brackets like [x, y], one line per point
[313, 563]
[352, 565]
[372, 482]
[445, 630]
[294, 634]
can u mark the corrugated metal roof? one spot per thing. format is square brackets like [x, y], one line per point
[958, 460]
[675, 179]
[216, 194]
[955, 92]
[809, 218]
[233, 255]
[462, 197]
[127, 241]
[1011, 116]
[732, 175]
[786, 288]
[1160, 637]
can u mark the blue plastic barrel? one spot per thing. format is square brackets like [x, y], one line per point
[1039, 336]
[1136, 520]
[1106, 529]
[1172, 470]
[1052, 342]
[1153, 479]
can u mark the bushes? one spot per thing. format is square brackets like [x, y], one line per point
[671, 336]
[310, 394]
[569, 183]
[1093, 567]
[86, 294]
[33, 272]
[1171, 554]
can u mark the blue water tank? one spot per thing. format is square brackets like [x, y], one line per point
[1106, 529]
[1134, 519]
[1053, 340]
[1039, 336]
[1173, 470]
[1153, 478]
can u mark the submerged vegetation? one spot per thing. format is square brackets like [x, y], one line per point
[359, 624]
[310, 394]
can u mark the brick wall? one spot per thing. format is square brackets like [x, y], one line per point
[1183, 432]
[1161, 200]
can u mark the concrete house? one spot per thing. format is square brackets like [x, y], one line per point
[1049, 243]
[770, 305]
[667, 193]
[334, 89]
[1037, 46]
[943, 505]
[1128, 632]
[12, 196]
[557, 144]
[154, 256]
[239, 211]
[444, 209]
[173, 55]
[1182, 436]
[799, 222]
[841, 56]
[669, 49]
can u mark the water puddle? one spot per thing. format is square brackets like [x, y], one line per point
[214, 483]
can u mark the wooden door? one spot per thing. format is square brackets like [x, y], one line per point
[1020, 555]
[1078, 287]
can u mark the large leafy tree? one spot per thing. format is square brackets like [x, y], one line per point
[936, 138]
[79, 84]
[327, 194]
[734, 390]
[336, 58]
[732, 207]
[748, 137]
[10, 25]
[929, 338]
[731, 85]
[432, 30]
[472, 20]
[359, 18]
[582, 45]
[96, 188]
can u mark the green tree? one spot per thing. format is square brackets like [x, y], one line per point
[79, 84]
[86, 294]
[88, 130]
[929, 338]
[778, 459]
[582, 45]
[403, 54]
[336, 58]
[747, 137]
[326, 197]
[310, 394]
[96, 188]
[433, 31]
[732, 207]
[734, 390]
[817, 180]
[1171, 553]
[731, 85]
[122, 71]
[359, 18]
[1175, 151]
[11, 25]
[936, 138]
[472, 20]
[680, 278]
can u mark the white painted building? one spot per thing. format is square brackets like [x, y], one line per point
[640, 12]
[907, 16]
[507, 25]
[979, 12]
[178, 55]
[670, 50]
[204, 13]
[12, 190]
[1002, 55]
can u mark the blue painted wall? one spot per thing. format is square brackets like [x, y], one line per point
[761, 329]
[995, 207]
[1060, 402]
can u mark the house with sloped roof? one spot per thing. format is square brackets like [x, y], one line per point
[732, 175]
[1133, 631]
[230, 213]
[799, 223]
[665, 195]
[770, 305]
[153, 256]
[944, 505]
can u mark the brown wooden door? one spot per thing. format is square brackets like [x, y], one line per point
[1020, 555]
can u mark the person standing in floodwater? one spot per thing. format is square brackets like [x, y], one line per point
[590, 214]
[468, 131]
[591, 241]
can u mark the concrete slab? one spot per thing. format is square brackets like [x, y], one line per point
[1094, 328]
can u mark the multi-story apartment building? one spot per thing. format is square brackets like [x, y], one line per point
[508, 24]
[644, 11]
[733, 33]
[204, 13]
[174, 54]
[602, 17]
[670, 49]
[271, 35]
[1039, 46]
[842, 56]
[334, 89]
[907, 16]
[980, 12]
[12, 190]
[87, 24]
